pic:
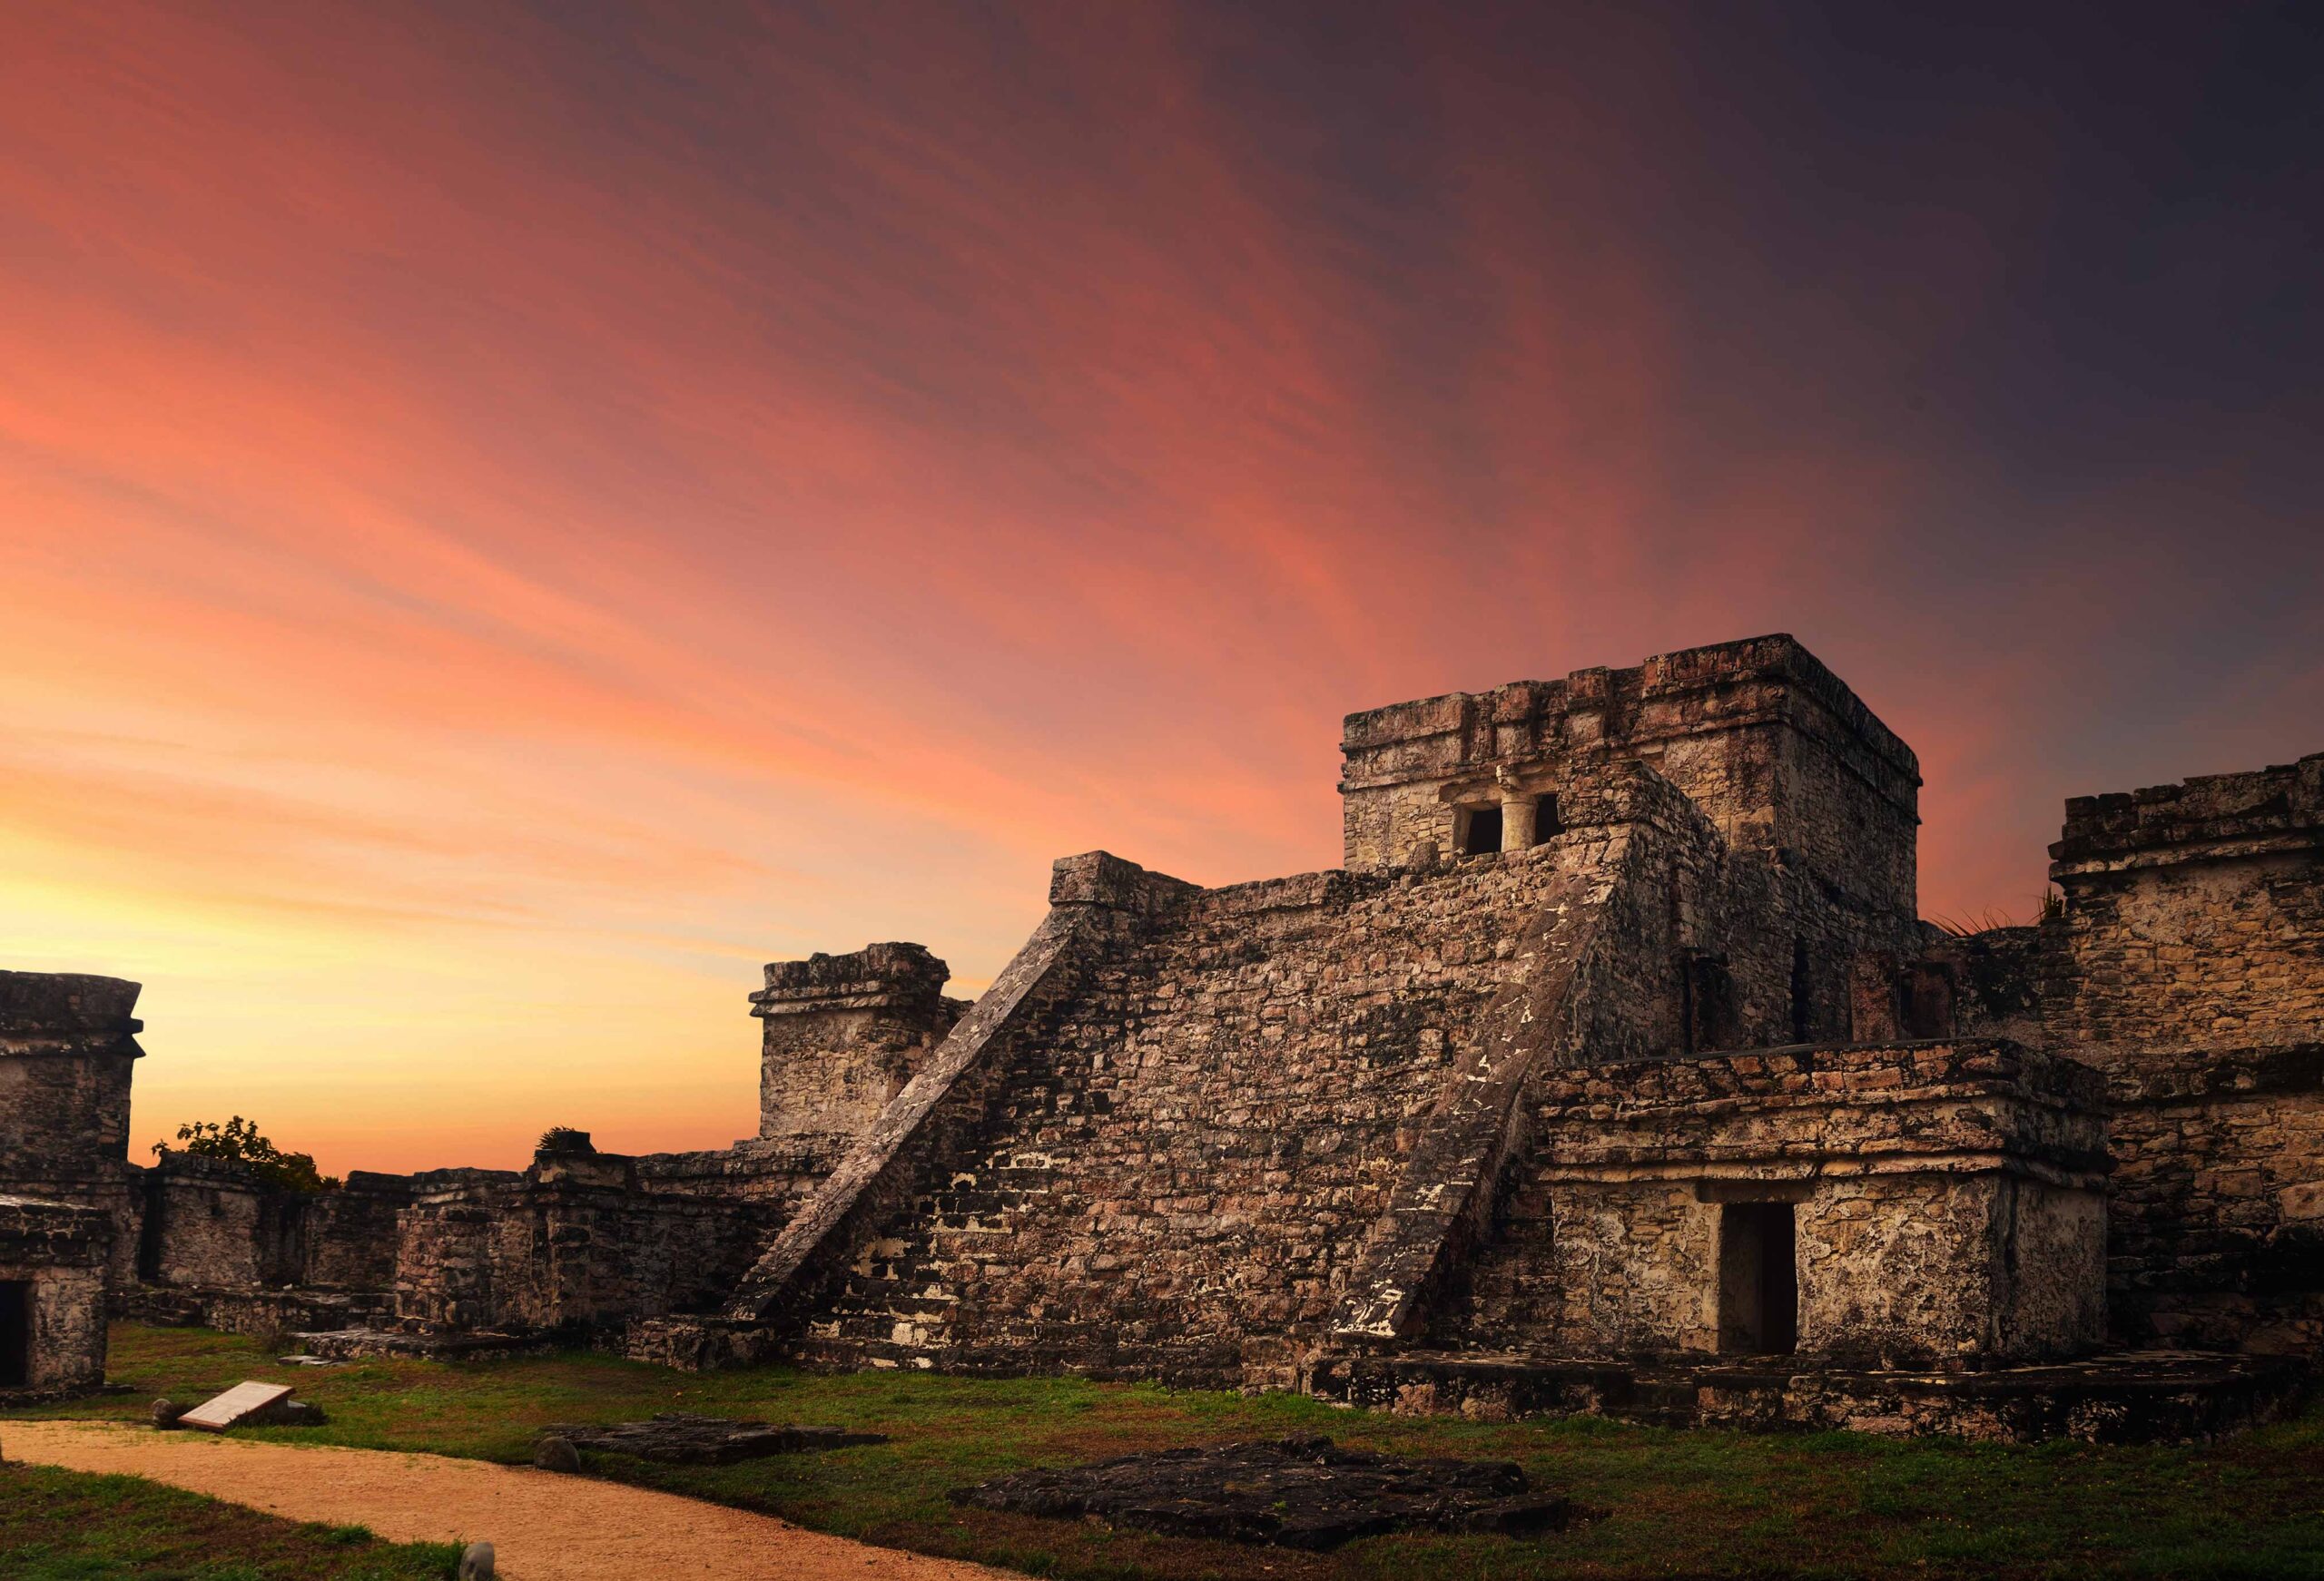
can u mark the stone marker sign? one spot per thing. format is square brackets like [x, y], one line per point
[237, 1404]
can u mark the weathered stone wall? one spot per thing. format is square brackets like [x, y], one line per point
[1177, 1175]
[2194, 915]
[1997, 979]
[1774, 749]
[68, 1045]
[2188, 964]
[60, 1251]
[572, 1242]
[1948, 1201]
[1785, 761]
[215, 1222]
[347, 1237]
[844, 1033]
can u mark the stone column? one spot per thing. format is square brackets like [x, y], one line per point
[1517, 822]
[844, 1033]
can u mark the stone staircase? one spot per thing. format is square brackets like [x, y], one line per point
[898, 1305]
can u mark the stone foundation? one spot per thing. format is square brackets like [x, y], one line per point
[2127, 1397]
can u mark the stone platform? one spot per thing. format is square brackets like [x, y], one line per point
[2121, 1397]
[1295, 1493]
[246, 1310]
[403, 1344]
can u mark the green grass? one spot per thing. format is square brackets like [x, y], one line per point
[69, 1526]
[1713, 1504]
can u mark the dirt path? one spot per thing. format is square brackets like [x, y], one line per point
[543, 1525]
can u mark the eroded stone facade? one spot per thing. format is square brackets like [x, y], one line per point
[1613, 1071]
[53, 1258]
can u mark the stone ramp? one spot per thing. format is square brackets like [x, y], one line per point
[1239, 1088]
[1092, 900]
[545, 1527]
[1443, 1202]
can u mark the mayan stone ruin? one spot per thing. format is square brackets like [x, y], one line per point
[1615, 1070]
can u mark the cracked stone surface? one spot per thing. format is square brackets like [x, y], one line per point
[682, 1438]
[1296, 1493]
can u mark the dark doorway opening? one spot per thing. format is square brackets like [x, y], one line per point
[15, 1333]
[1545, 820]
[1480, 830]
[1758, 1279]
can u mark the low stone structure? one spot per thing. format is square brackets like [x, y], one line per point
[1616, 1055]
[52, 1266]
[1918, 1205]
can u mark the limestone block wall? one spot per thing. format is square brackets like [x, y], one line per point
[573, 1242]
[1794, 774]
[1948, 1202]
[60, 1252]
[778, 1172]
[1178, 1177]
[68, 1045]
[1773, 747]
[2188, 965]
[214, 1222]
[347, 1237]
[844, 1033]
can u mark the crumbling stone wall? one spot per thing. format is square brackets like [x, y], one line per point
[216, 1222]
[2188, 964]
[68, 1045]
[1177, 1176]
[844, 1033]
[1783, 760]
[59, 1251]
[347, 1237]
[573, 1242]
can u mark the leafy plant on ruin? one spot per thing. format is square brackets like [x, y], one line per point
[238, 1141]
[565, 1139]
[1991, 920]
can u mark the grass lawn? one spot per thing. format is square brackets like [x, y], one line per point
[67, 1525]
[1714, 1503]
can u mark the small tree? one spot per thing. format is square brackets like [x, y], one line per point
[565, 1139]
[238, 1140]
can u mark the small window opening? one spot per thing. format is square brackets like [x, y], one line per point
[15, 1333]
[1758, 1279]
[1545, 820]
[1480, 830]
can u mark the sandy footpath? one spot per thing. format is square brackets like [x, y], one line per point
[545, 1527]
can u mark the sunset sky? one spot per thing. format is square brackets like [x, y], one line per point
[512, 515]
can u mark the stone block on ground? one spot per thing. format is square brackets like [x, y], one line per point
[1296, 1493]
[682, 1438]
[242, 1403]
